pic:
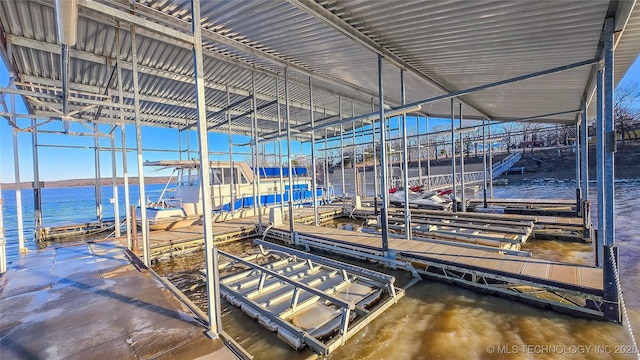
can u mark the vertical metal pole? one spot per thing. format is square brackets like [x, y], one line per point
[314, 185]
[136, 101]
[289, 163]
[211, 255]
[257, 197]
[462, 197]
[490, 161]
[602, 230]
[364, 165]
[578, 161]
[584, 150]
[326, 161]
[355, 151]
[280, 149]
[453, 159]
[98, 177]
[419, 150]
[344, 189]
[405, 163]
[3, 248]
[232, 166]
[383, 168]
[428, 154]
[114, 182]
[16, 167]
[610, 265]
[375, 164]
[37, 190]
[180, 144]
[123, 139]
[484, 165]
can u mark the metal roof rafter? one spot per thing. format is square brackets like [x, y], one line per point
[253, 51]
[318, 11]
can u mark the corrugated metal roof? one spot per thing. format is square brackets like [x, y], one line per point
[444, 46]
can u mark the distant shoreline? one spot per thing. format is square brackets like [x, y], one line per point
[85, 182]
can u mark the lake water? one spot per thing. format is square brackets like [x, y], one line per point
[433, 320]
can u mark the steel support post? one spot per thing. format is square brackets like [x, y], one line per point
[364, 166]
[16, 168]
[428, 154]
[484, 166]
[405, 163]
[98, 186]
[384, 191]
[326, 160]
[453, 159]
[577, 161]
[280, 149]
[123, 140]
[462, 196]
[211, 255]
[354, 153]
[314, 184]
[375, 167]
[419, 150]
[136, 101]
[610, 265]
[3, 243]
[344, 188]
[114, 184]
[600, 238]
[256, 147]
[289, 162]
[37, 190]
[490, 160]
[234, 172]
[584, 150]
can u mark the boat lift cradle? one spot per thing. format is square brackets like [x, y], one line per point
[308, 299]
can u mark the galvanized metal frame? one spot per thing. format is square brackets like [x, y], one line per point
[211, 256]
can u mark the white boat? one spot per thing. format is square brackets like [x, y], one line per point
[232, 188]
[432, 200]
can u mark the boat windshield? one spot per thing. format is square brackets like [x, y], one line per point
[188, 177]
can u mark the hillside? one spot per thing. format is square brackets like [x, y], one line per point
[85, 182]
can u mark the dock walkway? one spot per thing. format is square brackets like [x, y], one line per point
[96, 301]
[174, 242]
[471, 267]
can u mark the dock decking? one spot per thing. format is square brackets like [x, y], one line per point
[472, 267]
[173, 242]
[96, 300]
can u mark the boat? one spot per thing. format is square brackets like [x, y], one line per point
[232, 189]
[422, 199]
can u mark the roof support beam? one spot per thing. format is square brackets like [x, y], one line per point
[135, 20]
[146, 70]
[318, 11]
[412, 107]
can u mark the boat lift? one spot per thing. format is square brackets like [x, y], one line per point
[307, 299]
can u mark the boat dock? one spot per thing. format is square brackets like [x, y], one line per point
[164, 244]
[445, 223]
[97, 300]
[571, 288]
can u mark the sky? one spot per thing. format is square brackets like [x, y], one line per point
[57, 162]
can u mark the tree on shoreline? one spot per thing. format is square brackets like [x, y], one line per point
[626, 111]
